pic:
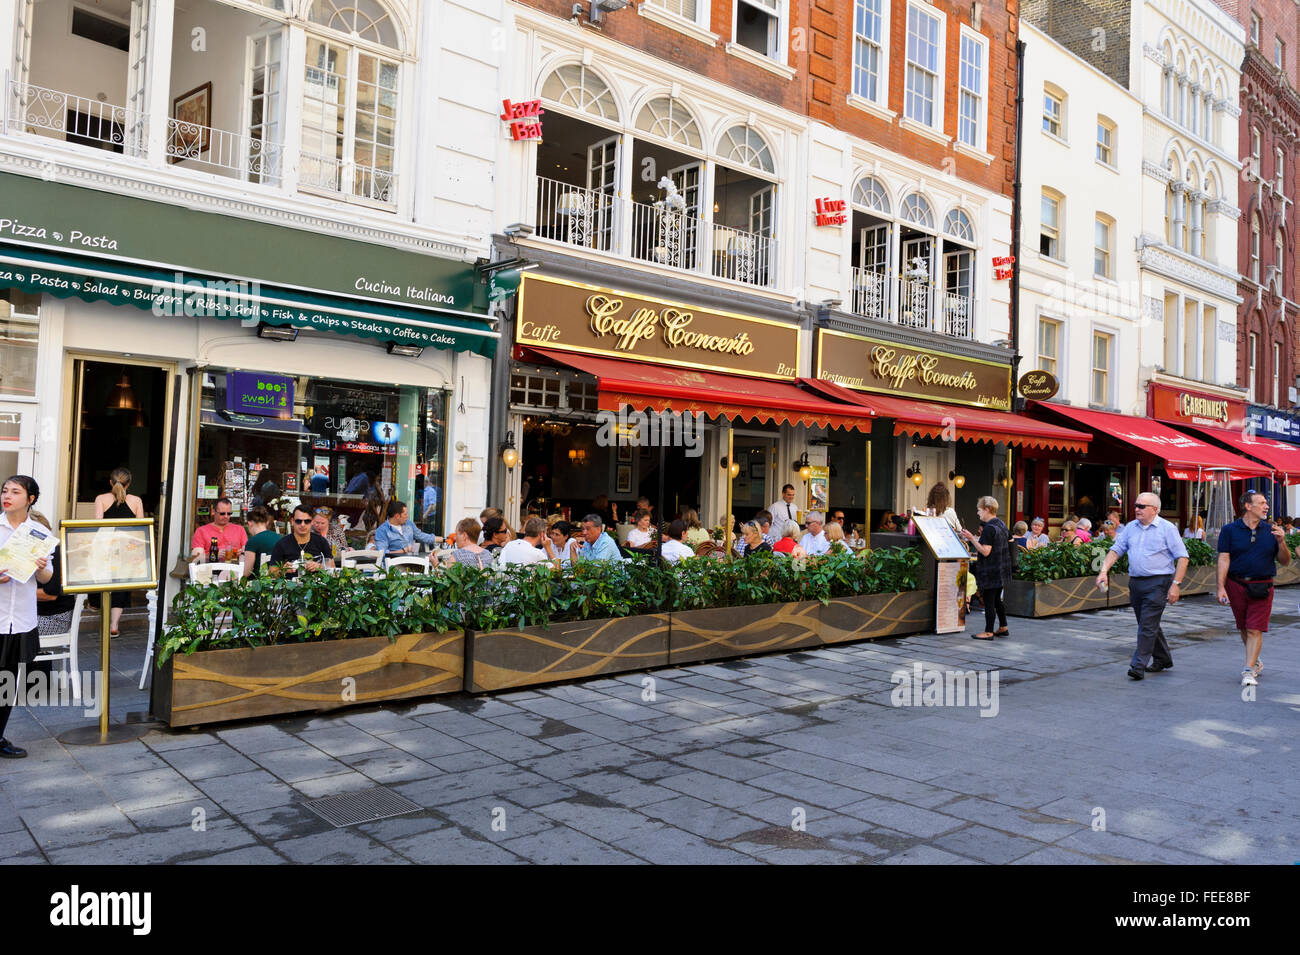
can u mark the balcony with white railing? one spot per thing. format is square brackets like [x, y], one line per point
[55, 114]
[330, 174]
[662, 233]
[222, 152]
[912, 302]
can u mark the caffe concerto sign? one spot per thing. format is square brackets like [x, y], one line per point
[570, 316]
[869, 364]
[1039, 385]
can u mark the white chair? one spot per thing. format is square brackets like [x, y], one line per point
[366, 561]
[63, 646]
[151, 598]
[416, 565]
[215, 573]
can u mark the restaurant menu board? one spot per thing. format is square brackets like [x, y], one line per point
[950, 596]
[235, 488]
[108, 555]
[941, 538]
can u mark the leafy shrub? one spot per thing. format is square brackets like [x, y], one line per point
[266, 611]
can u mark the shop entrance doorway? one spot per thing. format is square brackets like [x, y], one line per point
[753, 490]
[121, 417]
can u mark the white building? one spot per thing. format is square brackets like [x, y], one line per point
[312, 165]
[1082, 189]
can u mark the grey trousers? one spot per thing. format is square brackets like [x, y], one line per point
[1148, 596]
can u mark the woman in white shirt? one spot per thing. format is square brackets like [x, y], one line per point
[18, 624]
[639, 537]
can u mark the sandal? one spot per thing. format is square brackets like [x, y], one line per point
[982, 636]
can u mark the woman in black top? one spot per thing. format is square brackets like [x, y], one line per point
[992, 569]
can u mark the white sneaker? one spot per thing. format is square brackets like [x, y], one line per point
[1248, 678]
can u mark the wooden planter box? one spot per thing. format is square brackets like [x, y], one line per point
[1290, 574]
[1046, 598]
[722, 632]
[500, 659]
[1199, 580]
[215, 686]
[876, 615]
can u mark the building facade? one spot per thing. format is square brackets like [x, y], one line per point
[238, 255]
[714, 157]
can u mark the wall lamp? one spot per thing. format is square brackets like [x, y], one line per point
[958, 480]
[914, 472]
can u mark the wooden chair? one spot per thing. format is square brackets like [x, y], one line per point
[707, 549]
[62, 645]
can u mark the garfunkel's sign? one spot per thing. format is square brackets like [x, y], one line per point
[1182, 406]
[871, 364]
[570, 316]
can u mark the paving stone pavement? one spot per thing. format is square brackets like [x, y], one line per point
[791, 758]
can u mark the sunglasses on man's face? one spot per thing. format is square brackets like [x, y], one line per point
[224, 513]
[302, 520]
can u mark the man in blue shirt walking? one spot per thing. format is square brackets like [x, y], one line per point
[1157, 563]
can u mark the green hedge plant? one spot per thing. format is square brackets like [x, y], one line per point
[269, 611]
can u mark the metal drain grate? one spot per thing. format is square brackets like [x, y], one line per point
[349, 809]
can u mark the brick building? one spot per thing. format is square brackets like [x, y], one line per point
[842, 167]
[1270, 128]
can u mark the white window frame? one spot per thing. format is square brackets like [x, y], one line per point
[1254, 248]
[1279, 53]
[980, 95]
[1109, 369]
[1108, 251]
[941, 64]
[1279, 164]
[882, 60]
[1055, 359]
[1059, 228]
[701, 18]
[1250, 364]
[1277, 375]
[1113, 131]
[1255, 24]
[1060, 100]
[780, 10]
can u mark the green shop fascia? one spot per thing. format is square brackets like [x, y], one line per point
[73, 242]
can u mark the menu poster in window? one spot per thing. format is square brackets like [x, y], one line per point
[235, 486]
[819, 488]
[941, 538]
[290, 482]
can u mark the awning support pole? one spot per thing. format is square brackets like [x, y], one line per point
[866, 510]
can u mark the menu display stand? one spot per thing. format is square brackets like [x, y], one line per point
[952, 564]
[104, 557]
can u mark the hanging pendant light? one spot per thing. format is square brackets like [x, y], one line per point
[122, 397]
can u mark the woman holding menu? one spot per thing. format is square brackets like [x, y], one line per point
[18, 626]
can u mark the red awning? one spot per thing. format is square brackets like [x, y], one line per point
[640, 386]
[929, 419]
[1186, 458]
[1283, 458]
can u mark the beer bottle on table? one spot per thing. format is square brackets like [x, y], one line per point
[212, 551]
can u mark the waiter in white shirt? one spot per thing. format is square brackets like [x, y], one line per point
[814, 542]
[18, 629]
[783, 509]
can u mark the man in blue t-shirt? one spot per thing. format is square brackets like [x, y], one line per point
[1249, 550]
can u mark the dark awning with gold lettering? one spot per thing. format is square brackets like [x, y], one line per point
[640, 386]
[933, 420]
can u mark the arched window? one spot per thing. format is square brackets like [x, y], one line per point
[581, 89]
[1279, 254]
[744, 145]
[666, 118]
[350, 97]
[1167, 81]
[916, 209]
[1180, 69]
[870, 194]
[364, 19]
[1254, 248]
[957, 224]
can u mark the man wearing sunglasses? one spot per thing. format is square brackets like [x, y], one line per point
[301, 549]
[1157, 562]
[230, 537]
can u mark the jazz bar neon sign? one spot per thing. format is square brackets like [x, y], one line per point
[1002, 266]
[524, 118]
[831, 211]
